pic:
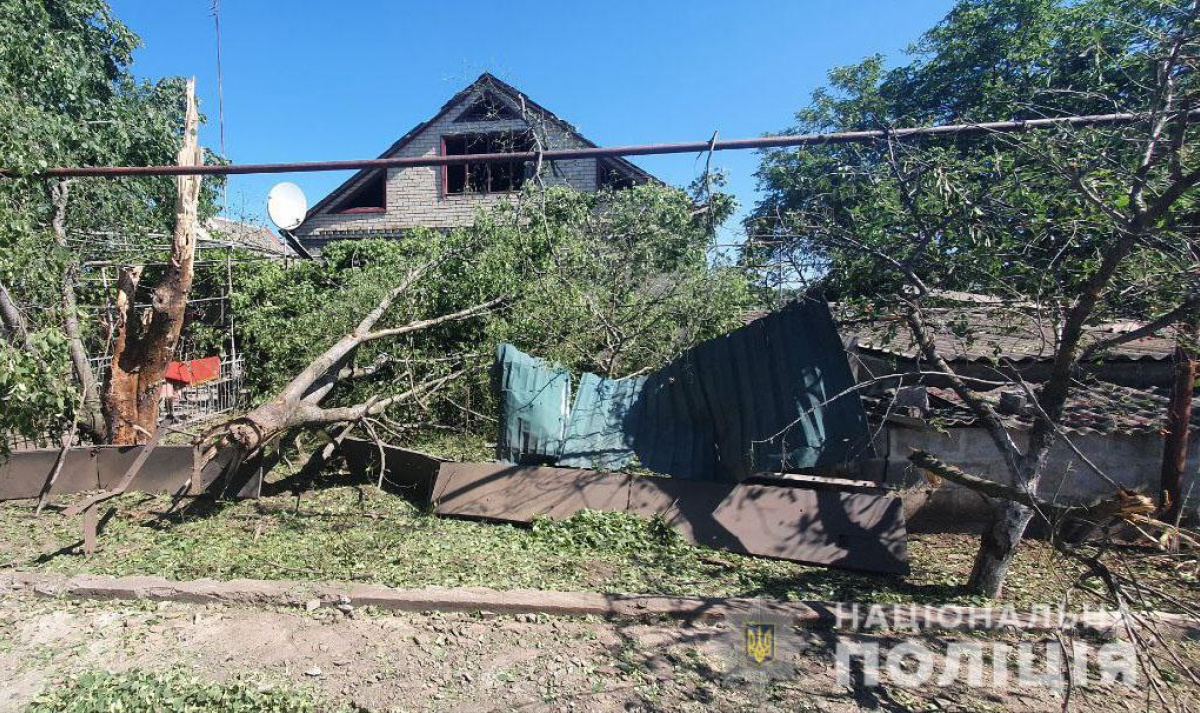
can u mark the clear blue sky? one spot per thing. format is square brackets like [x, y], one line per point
[307, 81]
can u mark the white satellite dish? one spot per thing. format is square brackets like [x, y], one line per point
[287, 206]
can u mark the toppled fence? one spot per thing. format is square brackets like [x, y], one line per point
[167, 469]
[775, 395]
[829, 522]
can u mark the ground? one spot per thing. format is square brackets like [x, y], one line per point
[351, 533]
[373, 661]
[365, 660]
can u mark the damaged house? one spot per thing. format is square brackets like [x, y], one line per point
[489, 116]
[1115, 416]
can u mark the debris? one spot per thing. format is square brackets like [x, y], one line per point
[775, 395]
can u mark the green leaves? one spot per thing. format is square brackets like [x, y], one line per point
[36, 396]
[177, 690]
[1023, 216]
[609, 282]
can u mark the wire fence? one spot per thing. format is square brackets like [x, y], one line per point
[225, 394]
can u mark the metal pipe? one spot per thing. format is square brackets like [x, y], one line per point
[765, 142]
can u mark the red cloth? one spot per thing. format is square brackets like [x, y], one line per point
[196, 371]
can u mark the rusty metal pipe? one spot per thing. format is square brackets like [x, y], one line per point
[765, 142]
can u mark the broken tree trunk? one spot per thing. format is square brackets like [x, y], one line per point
[144, 345]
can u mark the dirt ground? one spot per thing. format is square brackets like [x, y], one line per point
[378, 661]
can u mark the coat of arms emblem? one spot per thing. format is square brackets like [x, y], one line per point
[760, 642]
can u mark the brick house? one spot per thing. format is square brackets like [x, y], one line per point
[488, 116]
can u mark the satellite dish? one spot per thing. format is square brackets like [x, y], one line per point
[286, 205]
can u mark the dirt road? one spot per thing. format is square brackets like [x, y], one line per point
[478, 662]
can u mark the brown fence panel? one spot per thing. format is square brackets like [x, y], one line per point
[859, 530]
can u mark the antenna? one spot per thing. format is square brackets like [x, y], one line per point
[287, 206]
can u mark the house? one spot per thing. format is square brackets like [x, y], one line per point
[1114, 418]
[488, 116]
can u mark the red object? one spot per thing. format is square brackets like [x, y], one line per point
[196, 371]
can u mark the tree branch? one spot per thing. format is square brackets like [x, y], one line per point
[1146, 330]
[1125, 505]
[420, 324]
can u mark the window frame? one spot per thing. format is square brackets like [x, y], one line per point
[517, 165]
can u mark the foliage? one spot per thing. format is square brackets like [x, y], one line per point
[1071, 226]
[615, 282]
[616, 531]
[1000, 215]
[30, 385]
[140, 691]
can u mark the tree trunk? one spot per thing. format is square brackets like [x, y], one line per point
[92, 416]
[1175, 445]
[997, 547]
[297, 405]
[144, 347]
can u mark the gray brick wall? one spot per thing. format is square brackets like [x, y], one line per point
[415, 197]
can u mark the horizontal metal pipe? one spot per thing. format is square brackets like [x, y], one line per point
[765, 142]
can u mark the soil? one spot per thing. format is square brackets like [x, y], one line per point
[479, 662]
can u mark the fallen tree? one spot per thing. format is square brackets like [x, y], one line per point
[298, 404]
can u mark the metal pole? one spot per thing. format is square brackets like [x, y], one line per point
[766, 142]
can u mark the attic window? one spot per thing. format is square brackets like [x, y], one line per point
[370, 197]
[499, 177]
[488, 107]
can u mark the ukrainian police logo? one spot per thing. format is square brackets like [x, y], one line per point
[762, 645]
[760, 642]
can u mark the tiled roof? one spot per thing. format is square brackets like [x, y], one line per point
[993, 333]
[254, 237]
[1099, 407]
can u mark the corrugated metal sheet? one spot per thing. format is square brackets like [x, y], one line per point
[534, 398]
[760, 398]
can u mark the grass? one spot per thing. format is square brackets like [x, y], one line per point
[360, 534]
[171, 690]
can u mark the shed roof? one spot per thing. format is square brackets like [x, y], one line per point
[1098, 407]
[998, 333]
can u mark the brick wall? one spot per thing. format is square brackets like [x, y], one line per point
[414, 195]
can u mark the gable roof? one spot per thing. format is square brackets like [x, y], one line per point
[486, 83]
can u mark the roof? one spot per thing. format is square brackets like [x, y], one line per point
[1098, 408]
[987, 334]
[247, 235]
[485, 82]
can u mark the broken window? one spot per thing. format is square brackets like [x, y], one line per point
[488, 107]
[370, 197]
[498, 177]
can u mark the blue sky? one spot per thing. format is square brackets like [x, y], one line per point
[308, 81]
